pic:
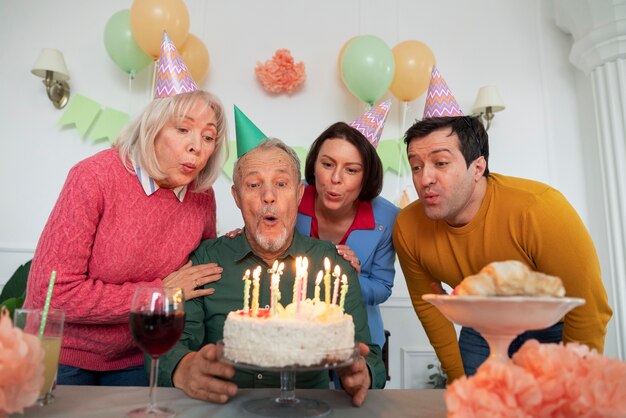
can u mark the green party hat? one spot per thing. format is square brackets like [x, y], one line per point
[248, 135]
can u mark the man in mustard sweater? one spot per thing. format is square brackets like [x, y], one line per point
[466, 218]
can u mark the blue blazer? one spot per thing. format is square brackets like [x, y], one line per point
[374, 248]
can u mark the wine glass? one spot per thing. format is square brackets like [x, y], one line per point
[157, 320]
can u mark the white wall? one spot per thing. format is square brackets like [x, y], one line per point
[546, 132]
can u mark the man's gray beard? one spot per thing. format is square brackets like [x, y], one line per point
[275, 245]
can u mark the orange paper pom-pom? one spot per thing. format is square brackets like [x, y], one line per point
[545, 381]
[21, 367]
[281, 74]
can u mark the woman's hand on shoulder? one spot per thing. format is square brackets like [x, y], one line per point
[192, 279]
[233, 233]
[350, 256]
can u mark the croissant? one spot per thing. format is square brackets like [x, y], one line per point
[510, 278]
[479, 284]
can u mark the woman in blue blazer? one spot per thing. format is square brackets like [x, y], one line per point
[341, 203]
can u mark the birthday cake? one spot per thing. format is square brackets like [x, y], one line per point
[307, 332]
[319, 335]
[510, 278]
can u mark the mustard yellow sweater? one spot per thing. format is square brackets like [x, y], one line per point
[521, 220]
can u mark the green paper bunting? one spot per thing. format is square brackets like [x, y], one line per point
[229, 164]
[393, 156]
[301, 152]
[80, 112]
[108, 125]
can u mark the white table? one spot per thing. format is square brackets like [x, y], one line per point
[108, 401]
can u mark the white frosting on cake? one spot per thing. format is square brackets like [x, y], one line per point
[317, 335]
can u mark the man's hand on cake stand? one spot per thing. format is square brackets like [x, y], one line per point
[198, 373]
[192, 279]
[356, 378]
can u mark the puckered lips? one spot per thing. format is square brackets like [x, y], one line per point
[270, 219]
[188, 167]
[430, 198]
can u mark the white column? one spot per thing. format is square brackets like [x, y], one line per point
[599, 50]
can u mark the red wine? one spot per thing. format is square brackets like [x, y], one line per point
[156, 332]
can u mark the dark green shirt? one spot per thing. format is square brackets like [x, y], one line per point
[205, 316]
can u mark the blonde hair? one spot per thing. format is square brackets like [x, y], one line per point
[136, 141]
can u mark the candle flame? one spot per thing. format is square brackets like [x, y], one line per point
[298, 265]
[257, 272]
[326, 264]
[337, 271]
[320, 276]
[344, 279]
[246, 276]
[305, 263]
[275, 266]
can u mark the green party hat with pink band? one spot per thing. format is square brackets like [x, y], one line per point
[248, 135]
[439, 101]
[372, 122]
[172, 76]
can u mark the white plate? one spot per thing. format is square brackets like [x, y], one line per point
[503, 314]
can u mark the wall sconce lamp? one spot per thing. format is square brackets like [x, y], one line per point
[51, 67]
[487, 103]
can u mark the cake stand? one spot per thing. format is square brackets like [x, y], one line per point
[287, 404]
[499, 319]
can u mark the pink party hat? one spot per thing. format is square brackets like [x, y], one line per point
[372, 122]
[439, 101]
[172, 75]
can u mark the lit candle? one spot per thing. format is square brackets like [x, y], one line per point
[344, 290]
[277, 270]
[305, 276]
[246, 291]
[281, 267]
[297, 280]
[327, 280]
[273, 293]
[256, 276]
[318, 280]
[336, 275]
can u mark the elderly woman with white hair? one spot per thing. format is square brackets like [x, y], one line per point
[126, 217]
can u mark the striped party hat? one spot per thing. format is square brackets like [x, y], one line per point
[372, 122]
[172, 75]
[439, 101]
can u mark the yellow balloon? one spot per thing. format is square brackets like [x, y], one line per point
[414, 64]
[196, 57]
[149, 18]
[340, 57]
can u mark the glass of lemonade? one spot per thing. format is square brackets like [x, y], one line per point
[30, 321]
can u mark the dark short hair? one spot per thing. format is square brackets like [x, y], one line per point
[473, 138]
[372, 166]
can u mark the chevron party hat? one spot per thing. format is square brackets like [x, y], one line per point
[172, 75]
[372, 122]
[248, 135]
[439, 100]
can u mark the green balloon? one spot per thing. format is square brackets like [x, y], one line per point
[367, 68]
[121, 46]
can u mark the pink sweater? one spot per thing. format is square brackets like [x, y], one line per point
[104, 238]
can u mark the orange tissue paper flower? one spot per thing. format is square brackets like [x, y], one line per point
[21, 367]
[280, 74]
[543, 380]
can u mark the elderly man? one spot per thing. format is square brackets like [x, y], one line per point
[267, 190]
